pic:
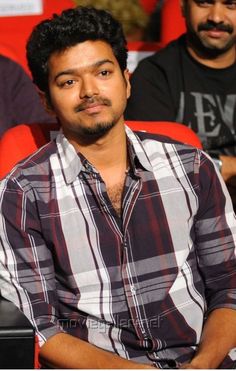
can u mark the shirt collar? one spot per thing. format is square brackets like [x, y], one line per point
[71, 162]
[137, 149]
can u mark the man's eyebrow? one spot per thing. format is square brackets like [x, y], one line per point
[72, 71]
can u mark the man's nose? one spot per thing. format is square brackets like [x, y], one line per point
[217, 13]
[88, 88]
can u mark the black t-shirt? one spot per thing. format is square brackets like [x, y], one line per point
[171, 86]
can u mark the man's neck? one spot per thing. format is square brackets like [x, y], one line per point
[221, 61]
[107, 154]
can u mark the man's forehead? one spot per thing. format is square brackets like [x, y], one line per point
[87, 53]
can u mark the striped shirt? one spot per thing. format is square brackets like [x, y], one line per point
[140, 284]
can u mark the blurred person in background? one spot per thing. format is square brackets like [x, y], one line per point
[19, 99]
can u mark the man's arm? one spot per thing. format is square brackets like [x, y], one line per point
[66, 351]
[218, 338]
[215, 248]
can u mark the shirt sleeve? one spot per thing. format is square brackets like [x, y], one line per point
[27, 271]
[150, 94]
[216, 238]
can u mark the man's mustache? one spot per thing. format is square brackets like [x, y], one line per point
[89, 101]
[208, 26]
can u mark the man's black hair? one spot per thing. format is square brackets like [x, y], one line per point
[71, 27]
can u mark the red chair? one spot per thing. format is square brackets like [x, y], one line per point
[170, 129]
[172, 21]
[15, 30]
[148, 5]
[22, 140]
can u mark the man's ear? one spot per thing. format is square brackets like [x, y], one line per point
[46, 103]
[128, 87]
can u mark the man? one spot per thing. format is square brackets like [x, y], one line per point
[193, 81]
[119, 247]
[19, 100]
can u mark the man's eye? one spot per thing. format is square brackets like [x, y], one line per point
[230, 4]
[66, 84]
[203, 2]
[104, 73]
[69, 82]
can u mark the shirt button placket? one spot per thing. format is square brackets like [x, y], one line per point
[133, 289]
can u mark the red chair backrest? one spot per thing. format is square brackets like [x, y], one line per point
[15, 30]
[22, 140]
[172, 21]
[170, 129]
[148, 5]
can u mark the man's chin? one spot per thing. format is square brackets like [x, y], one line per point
[211, 48]
[96, 131]
[215, 49]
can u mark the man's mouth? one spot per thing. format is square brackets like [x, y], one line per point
[215, 33]
[93, 106]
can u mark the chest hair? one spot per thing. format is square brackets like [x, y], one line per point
[115, 195]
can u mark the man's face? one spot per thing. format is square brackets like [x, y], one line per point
[88, 91]
[211, 25]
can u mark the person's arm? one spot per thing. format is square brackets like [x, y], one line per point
[66, 351]
[228, 170]
[218, 338]
[150, 94]
[215, 248]
[26, 264]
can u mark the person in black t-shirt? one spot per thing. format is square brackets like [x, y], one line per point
[193, 81]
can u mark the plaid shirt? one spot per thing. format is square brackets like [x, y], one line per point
[139, 285]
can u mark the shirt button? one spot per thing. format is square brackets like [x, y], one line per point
[133, 289]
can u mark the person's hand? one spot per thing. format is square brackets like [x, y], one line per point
[228, 173]
[189, 366]
[228, 170]
[144, 366]
[197, 363]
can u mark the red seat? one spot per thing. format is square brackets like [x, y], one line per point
[15, 30]
[172, 21]
[170, 129]
[22, 140]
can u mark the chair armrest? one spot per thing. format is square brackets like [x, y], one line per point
[17, 338]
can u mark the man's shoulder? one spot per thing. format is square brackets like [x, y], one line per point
[162, 139]
[165, 56]
[158, 147]
[35, 165]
